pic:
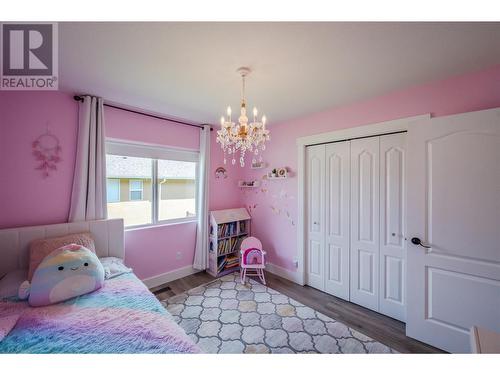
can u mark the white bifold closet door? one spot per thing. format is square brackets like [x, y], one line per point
[365, 222]
[315, 192]
[356, 248]
[337, 160]
[327, 191]
[378, 247]
[392, 296]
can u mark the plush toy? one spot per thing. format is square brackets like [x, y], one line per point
[67, 272]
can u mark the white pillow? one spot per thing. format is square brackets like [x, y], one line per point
[9, 284]
[114, 267]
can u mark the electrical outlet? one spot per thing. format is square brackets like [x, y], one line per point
[178, 255]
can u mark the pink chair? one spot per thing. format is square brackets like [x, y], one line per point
[252, 261]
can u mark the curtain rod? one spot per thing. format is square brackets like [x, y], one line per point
[78, 98]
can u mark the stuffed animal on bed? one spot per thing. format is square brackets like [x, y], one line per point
[67, 272]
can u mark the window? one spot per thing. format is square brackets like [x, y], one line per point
[135, 187]
[136, 175]
[162, 184]
[176, 189]
[113, 190]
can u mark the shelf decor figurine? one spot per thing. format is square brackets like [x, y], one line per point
[221, 172]
[278, 173]
[282, 172]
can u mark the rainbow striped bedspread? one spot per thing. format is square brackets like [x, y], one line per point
[121, 317]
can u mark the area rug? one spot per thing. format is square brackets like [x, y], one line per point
[225, 316]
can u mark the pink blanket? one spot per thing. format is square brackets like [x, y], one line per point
[121, 317]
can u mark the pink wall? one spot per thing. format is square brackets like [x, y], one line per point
[138, 128]
[25, 197]
[224, 193]
[28, 199]
[278, 199]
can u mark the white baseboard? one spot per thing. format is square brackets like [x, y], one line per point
[296, 277]
[166, 277]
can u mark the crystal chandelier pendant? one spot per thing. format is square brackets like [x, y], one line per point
[242, 136]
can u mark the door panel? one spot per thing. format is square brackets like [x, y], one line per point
[448, 157]
[335, 273]
[337, 219]
[393, 281]
[366, 272]
[366, 195]
[392, 296]
[454, 201]
[315, 261]
[315, 192]
[364, 254]
[474, 292]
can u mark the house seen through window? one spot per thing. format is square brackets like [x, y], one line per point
[145, 191]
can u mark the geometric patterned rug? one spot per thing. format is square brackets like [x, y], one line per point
[225, 316]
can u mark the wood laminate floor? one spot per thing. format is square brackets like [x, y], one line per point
[388, 331]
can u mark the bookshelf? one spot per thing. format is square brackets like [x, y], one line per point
[228, 228]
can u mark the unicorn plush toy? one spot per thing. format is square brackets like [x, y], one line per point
[67, 272]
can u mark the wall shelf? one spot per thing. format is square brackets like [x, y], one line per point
[278, 174]
[248, 184]
[276, 178]
[258, 165]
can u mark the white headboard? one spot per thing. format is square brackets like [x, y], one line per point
[14, 242]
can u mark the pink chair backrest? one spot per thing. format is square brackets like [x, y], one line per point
[251, 243]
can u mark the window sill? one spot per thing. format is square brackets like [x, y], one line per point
[161, 224]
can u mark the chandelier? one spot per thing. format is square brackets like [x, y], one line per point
[243, 136]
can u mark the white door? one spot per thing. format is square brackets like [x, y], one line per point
[392, 297]
[337, 166]
[315, 218]
[454, 207]
[365, 222]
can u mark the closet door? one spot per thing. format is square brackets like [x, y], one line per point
[365, 222]
[337, 163]
[315, 192]
[392, 298]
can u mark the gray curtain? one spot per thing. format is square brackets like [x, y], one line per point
[88, 196]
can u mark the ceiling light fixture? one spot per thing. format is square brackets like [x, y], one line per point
[243, 136]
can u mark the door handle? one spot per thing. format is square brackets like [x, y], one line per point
[417, 241]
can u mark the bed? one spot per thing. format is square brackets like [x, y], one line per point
[121, 317]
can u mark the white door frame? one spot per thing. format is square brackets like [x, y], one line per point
[380, 128]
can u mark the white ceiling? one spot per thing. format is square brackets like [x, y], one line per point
[187, 70]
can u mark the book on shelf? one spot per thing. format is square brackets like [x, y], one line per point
[226, 230]
[221, 263]
[242, 226]
[229, 245]
[231, 262]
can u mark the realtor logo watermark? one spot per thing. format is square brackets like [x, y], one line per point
[29, 56]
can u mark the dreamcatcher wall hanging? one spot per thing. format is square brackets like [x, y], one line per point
[47, 152]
